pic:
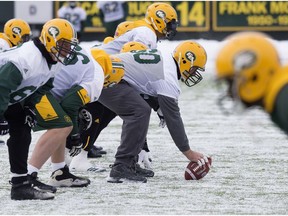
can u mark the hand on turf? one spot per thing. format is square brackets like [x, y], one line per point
[85, 119]
[76, 145]
[4, 127]
[144, 158]
[162, 122]
[30, 117]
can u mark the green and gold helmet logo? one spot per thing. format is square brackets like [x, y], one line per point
[244, 60]
[190, 56]
[16, 30]
[53, 31]
[161, 14]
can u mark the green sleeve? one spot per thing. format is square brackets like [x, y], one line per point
[35, 98]
[71, 103]
[10, 79]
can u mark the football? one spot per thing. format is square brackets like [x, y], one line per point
[195, 172]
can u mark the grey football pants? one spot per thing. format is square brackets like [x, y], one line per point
[135, 113]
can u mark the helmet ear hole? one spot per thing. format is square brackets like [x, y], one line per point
[48, 39]
[255, 77]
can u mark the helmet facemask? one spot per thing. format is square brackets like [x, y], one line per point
[64, 51]
[228, 100]
[171, 29]
[192, 77]
[26, 38]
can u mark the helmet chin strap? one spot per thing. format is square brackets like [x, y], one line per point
[44, 39]
[154, 25]
[179, 59]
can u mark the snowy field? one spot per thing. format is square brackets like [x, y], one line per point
[249, 173]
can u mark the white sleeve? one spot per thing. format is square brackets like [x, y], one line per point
[145, 36]
[93, 85]
[140, 34]
[83, 14]
[3, 45]
[60, 12]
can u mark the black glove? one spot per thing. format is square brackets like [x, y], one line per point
[152, 101]
[30, 116]
[4, 127]
[162, 122]
[84, 119]
[75, 144]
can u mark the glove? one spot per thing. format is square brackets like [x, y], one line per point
[75, 144]
[162, 122]
[144, 158]
[85, 119]
[4, 127]
[30, 116]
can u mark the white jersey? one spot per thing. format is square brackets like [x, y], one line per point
[141, 34]
[73, 15]
[32, 66]
[112, 10]
[83, 71]
[149, 73]
[4, 45]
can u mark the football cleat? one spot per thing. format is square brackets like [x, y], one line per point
[35, 183]
[96, 151]
[143, 172]
[63, 178]
[25, 191]
[121, 172]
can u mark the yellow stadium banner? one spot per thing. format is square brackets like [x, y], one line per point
[194, 16]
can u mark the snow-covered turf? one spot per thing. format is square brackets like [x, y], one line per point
[249, 173]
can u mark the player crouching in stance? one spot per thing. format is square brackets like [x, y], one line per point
[16, 32]
[250, 66]
[113, 72]
[75, 85]
[26, 74]
[186, 63]
[160, 22]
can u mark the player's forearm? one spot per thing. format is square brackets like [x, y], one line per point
[174, 122]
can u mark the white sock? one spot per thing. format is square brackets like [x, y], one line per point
[17, 175]
[32, 169]
[56, 166]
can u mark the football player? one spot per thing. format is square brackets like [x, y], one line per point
[111, 13]
[16, 32]
[250, 66]
[75, 15]
[80, 162]
[75, 85]
[26, 74]
[160, 22]
[186, 63]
